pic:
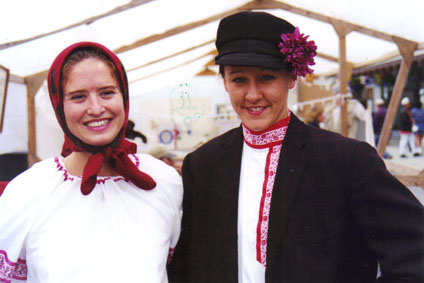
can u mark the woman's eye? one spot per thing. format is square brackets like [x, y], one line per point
[77, 97]
[108, 93]
[267, 78]
[239, 80]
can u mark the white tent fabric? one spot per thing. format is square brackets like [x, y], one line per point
[22, 20]
[14, 136]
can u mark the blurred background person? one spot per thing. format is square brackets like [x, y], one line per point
[417, 114]
[131, 133]
[407, 140]
[356, 114]
[163, 153]
[314, 116]
[378, 121]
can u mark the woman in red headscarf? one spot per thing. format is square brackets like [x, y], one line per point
[101, 213]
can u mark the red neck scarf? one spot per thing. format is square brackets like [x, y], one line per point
[115, 153]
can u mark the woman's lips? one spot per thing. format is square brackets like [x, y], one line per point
[98, 125]
[255, 111]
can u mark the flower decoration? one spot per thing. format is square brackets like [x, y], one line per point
[299, 52]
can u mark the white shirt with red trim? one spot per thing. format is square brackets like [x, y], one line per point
[261, 152]
[51, 232]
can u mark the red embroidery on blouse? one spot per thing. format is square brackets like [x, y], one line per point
[265, 206]
[265, 139]
[268, 137]
[271, 138]
[170, 254]
[100, 179]
[20, 270]
[10, 269]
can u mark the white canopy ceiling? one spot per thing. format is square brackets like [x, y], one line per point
[134, 21]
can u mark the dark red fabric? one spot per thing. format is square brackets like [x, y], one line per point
[3, 185]
[115, 153]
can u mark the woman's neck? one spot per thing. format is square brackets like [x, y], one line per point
[76, 161]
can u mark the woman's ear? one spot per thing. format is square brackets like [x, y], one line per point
[292, 83]
[225, 84]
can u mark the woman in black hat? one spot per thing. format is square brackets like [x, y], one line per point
[275, 200]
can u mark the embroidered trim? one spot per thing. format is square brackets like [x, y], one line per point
[265, 139]
[271, 138]
[268, 137]
[170, 254]
[21, 270]
[10, 269]
[265, 206]
[100, 179]
[62, 168]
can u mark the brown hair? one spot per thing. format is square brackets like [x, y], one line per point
[83, 53]
[222, 70]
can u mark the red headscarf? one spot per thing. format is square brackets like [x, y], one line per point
[116, 153]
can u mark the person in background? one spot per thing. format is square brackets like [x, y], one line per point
[131, 133]
[163, 153]
[356, 113]
[407, 140]
[275, 200]
[314, 116]
[417, 114]
[102, 213]
[378, 121]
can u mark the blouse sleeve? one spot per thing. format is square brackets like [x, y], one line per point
[176, 229]
[175, 233]
[170, 183]
[14, 226]
[19, 205]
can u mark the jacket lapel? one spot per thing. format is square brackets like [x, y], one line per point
[289, 172]
[229, 160]
[229, 164]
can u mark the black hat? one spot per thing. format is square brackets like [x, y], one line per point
[251, 39]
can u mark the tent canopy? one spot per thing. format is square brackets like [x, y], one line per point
[164, 40]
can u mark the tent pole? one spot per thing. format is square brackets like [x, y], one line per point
[342, 29]
[406, 49]
[343, 84]
[33, 84]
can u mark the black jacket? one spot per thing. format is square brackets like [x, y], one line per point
[335, 213]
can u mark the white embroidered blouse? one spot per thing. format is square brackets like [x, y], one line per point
[261, 152]
[51, 232]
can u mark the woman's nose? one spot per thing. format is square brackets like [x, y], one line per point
[253, 93]
[95, 105]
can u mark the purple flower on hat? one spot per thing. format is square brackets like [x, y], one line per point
[299, 52]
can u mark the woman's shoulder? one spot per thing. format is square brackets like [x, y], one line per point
[332, 143]
[39, 169]
[156, 168]
[29, 190]
[39, 172]
[168, 181]
[149, 162]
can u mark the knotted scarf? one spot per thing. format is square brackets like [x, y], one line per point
[115, 153]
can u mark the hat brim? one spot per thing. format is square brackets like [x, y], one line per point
[252, 59]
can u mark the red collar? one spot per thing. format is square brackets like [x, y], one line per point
[266, 138]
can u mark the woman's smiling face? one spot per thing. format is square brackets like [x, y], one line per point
[258, 95]
[93, 103]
